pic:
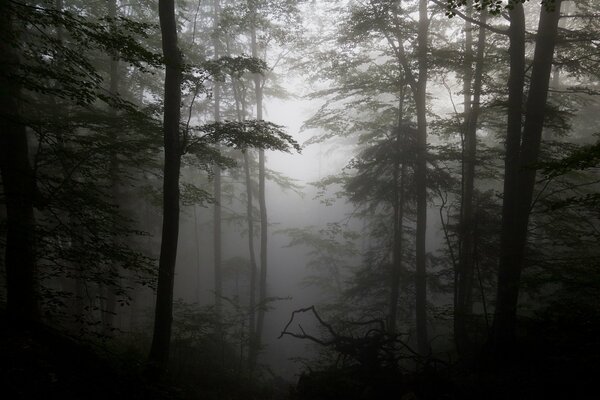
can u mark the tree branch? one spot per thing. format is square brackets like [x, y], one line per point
[473, 20]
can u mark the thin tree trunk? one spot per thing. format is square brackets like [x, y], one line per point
[240, 105]
[109, 293]
[398, 205]
[75, 284]
[18, 182]
[253, 272]
[421, 181]
[466, 263]
[159, 352]
[418, 86]
[217, 246]
[520, 168]
[263, 210]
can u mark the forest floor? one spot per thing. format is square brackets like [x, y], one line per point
[39, 363]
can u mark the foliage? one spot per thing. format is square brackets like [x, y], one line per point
[495, 7]
[242, 135]
[55, 55]
[331, 251]
[205, 357]
[585, 157]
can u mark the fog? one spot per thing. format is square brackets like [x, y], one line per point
[275, 199]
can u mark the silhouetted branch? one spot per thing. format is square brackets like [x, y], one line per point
[376, 347]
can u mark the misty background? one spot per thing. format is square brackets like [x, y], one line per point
[302, 199]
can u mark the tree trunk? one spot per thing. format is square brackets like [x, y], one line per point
[217, 246]
[18, 182]
[159, 351]
[509, 248]
[109, 311]
[520, 165]
[240, 105]
[463, 306]
[421, 182]
[262, 285]
[253, 272]
[398, 205]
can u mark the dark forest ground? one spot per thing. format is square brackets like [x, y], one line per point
[39, 363]
[556, 363]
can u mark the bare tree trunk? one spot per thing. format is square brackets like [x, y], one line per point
[418, 86]
[18, 183]
[217, 246]
[159, 352]
[75, 285]
[253, 272]
[240, 105]
[398, 205]
[463, 306]
[262, 296]
[421, 181]
[522, 154]
[508, 244]
[109, 293]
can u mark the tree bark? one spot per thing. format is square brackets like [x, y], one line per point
[217, 246]
[522, 154]
[463, 306]
[159, 352]
[253, 272]
[18, 182]
[109, 311]
[421, 181]
[240, 105]
[508, 244]
[398, 206]
[262, 285]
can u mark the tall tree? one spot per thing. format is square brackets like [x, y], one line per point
[398, 205]
[262, 282]
[522, 151]
[217, 220]
[389, 24]
[253, 268]
[525, 122]
[240, 104]
[472, 88]
[159, 352]
[18, 181]
[419, 87]
[417, 82]
[110, 296]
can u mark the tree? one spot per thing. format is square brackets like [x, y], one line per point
[262, 283]
[419, 88]
[523, 143]
[56, 183]
[416, 78]
[522, 151]
[18, 182]
[217, 247]
[159, 351]
[399, 201]
[109, 294]
[472, 88]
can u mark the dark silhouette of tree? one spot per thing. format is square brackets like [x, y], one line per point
[522, 151]
[159, 352]
[217, 187]
[18, 182]
[472, 88]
